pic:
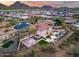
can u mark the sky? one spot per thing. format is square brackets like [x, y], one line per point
[41, 3]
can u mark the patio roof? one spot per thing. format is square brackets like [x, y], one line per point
[29, 42]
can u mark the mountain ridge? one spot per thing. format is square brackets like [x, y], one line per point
[2, 6]
[18, 4]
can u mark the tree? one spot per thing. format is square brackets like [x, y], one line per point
[34, 19]
[74, 38]
[60, 22]
[31, 53]
[75, 52]
[21, 53]
[1, 19]
[32, 29]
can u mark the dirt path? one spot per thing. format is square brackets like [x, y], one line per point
[63, 52]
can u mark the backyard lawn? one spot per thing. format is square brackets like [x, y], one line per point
[12, 20]
[42, 42]
[19, 20]
[6, 45]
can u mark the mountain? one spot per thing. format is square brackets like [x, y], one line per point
[46, 7]
[35, 7]
[19, 5]
[2, 6]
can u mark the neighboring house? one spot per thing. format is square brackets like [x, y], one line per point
[9, 40]
[69, 20]
[24, 17]
[76, 24]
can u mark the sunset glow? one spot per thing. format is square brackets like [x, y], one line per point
[8, 3]
[41, 3]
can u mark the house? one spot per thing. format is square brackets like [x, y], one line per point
[6, 33]
[46, 16]
[44, 30]
[76, 24]
[69, 20]
[24, 17]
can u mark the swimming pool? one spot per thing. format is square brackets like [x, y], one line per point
[21, 25]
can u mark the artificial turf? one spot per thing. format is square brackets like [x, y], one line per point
[42, 42]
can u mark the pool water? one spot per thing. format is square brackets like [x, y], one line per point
[21, 25]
